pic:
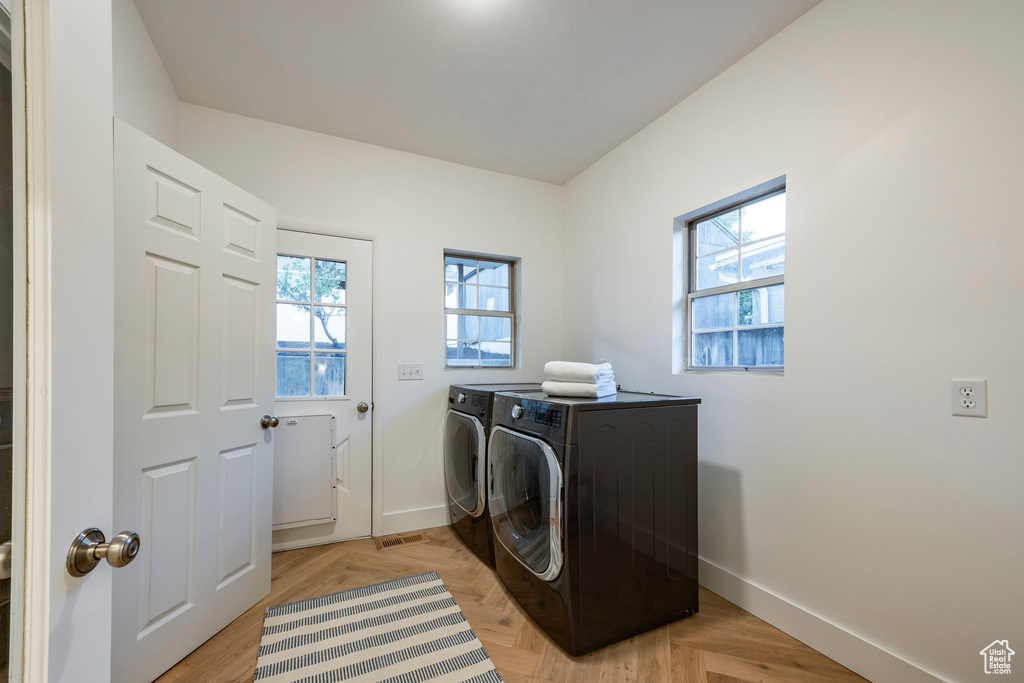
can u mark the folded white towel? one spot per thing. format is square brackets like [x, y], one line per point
[578, 389]
[565, 371]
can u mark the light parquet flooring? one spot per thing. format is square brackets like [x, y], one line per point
[720, 644]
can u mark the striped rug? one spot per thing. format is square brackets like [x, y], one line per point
[399, 631]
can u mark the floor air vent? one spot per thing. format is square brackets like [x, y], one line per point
[399, 540]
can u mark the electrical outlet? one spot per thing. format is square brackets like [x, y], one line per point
[970, 397]
[410, 371]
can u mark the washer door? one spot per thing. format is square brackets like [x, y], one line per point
[526, 500]
[464, 449]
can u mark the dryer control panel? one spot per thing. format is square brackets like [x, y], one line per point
[542, 413]
[541, 418]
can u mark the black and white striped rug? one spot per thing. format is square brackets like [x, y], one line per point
[400, 631]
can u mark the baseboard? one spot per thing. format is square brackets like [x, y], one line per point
[412, 520]
[870, 660]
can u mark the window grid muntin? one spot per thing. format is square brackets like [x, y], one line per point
[740, 285]
[312, 350]
[741, 244]
[481, 312]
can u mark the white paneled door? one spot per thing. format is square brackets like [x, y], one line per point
[194, 372]
[324, 339]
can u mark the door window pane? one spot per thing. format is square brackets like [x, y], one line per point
[292, 278]
[329, 327]
[330, 282]
[329, 374]
[292, 374]
[317, 324]
[292, 326]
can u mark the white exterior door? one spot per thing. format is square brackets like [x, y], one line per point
[194, 372]
[324, 337]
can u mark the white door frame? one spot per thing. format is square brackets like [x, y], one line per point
[48, 606]
[377, 348]
[30, 591]
[30, 595]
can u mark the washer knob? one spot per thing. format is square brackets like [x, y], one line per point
[461, 398]
[517, 412]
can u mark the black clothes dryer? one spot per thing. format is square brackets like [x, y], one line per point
[465, 459]
[594, 511]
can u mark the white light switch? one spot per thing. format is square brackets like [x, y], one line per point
[410, 371]
[970, 397]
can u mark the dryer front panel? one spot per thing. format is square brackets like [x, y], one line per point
[526, 500]
[464, 448]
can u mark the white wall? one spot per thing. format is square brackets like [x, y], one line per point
[143, 93]
[414, 208]
[82, 332]
[845, 487]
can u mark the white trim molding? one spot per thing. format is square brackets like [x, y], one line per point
[31, 591]
[412, 520]
[855, 652]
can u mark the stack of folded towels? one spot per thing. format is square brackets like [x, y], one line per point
[580, 380]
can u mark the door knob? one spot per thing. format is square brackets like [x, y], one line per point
[90, 547]
[269, 421]
[363, 406]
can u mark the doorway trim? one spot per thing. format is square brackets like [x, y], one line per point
[31, 512]
[30, 595]
[376, 346]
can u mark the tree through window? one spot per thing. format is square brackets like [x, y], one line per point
[311, 326]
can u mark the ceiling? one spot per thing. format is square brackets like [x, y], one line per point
[534, 88]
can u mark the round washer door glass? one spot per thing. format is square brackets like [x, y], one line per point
[525, 499]
[464, 446]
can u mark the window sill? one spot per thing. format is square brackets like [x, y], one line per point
[284, 399]
[764, 372]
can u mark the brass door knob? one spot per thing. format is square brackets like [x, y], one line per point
[90, 547]
[269, 422]
[363, 406]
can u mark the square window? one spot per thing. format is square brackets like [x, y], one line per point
[734, 256]
[480, 309]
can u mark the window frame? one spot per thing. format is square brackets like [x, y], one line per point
[512, 314]
[686, 239]
[311, 350]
